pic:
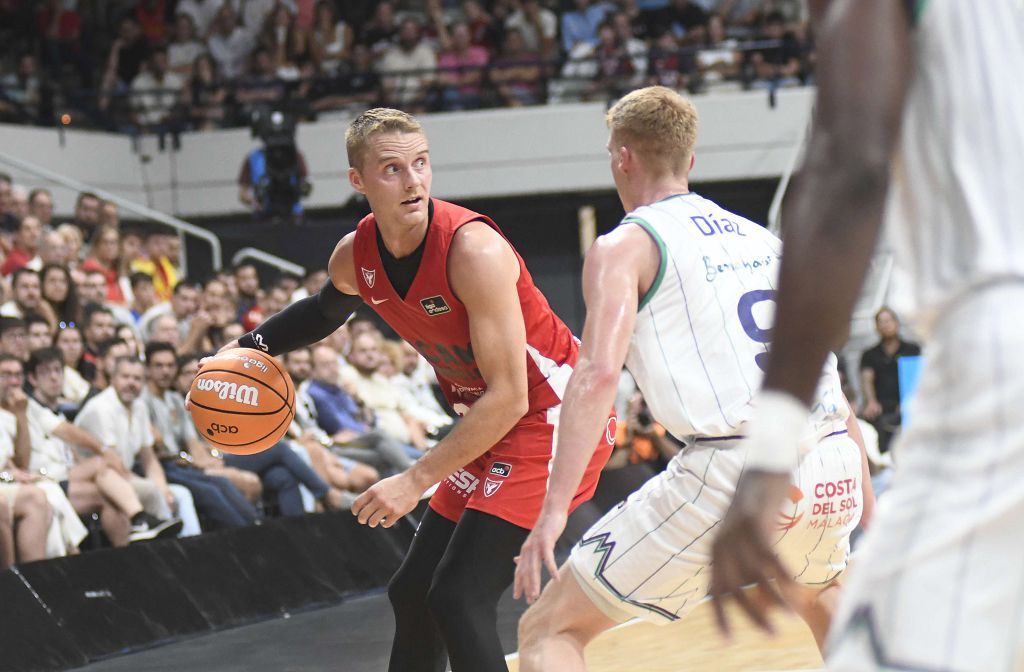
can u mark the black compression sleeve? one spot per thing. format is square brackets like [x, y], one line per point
[303, 323]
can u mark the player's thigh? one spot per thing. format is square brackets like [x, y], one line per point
[563, 609]
[649, 556]
[824, 506]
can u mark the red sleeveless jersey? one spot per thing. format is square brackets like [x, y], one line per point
[436, 323]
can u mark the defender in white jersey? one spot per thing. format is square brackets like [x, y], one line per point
[926, 94]
[683, 293]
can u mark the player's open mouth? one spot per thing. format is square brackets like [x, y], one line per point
[413, 201]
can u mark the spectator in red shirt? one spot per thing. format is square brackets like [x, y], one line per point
[104, 256]
[25, 251]
[152, 17]
[60, 31]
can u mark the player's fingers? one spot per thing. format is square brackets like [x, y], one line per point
[360, 502]
[367, 511]
[718, 602]
[549, 560]
[755, 611]
[377, 516]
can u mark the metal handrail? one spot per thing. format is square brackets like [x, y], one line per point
[775, 210]
[179, 225]
[269, 259]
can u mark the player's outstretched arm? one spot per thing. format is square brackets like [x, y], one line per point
[832, 222]
[314, 318]
[617, 267]
[482, 271]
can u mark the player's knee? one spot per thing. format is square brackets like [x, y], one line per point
[405, 591]
[450, 598]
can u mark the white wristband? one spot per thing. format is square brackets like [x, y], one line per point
[778, 426]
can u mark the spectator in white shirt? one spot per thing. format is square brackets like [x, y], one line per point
[186, 47]
[413, 62]
[538, 25]
[156, 91]
[229, 43]
[118, 417]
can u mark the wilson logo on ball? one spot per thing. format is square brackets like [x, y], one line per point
[243, 394]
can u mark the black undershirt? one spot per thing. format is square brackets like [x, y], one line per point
[401, 272]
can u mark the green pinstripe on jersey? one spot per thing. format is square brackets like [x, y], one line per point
[642, 223]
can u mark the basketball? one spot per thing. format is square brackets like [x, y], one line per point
[242, 401]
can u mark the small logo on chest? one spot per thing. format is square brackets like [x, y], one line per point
[435, 305]
[369, 276]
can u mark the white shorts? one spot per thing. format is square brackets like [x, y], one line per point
[940, 581]
[649, 557]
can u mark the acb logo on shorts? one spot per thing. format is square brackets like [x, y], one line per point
[502, 469]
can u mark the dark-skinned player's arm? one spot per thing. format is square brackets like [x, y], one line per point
[482, 272]
[617, 267]
[832, 219]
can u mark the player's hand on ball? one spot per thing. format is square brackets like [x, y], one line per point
[538, 550]
[386, 501]
[742, 554]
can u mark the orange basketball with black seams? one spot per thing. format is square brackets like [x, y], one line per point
[242, 401]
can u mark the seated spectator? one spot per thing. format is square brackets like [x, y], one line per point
[53, 250]
[119, 419]
[247, 287]
[109, 215]
[721, 59]
[389, 405]
[280, 468]
[330, 39]
[21, 93]
[127, 54]
[104, 257]
[635, 48]
[484, 31]
[517, 73]
[268, 303]
[880, 379]
[461, 71]
[260, 87]
[284, 42]
[126, 333]
[204, 97]
[156, 93]
[163, 329]
[580, 24]
[341, 472]
[183, 458]
[186, 46]
[14, 338]
[538, 25]
[344, 421]
[355, 87]
[202, 12]
[73, 243]
[143, 294]
[109, 351]
[27, 297]
[229, 44]
[667, 65]
[131, 252]
[779, 64]
[87, 216]
[157, 264]
[69, 341]
[416, 379]
[685, 18]
[40, 206]
[97, 484]
[193, 322]
[380, 32]
[38, 332]
[408, 69]
[615, 69]
[98, 328]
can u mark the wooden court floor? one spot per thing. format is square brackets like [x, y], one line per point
[694, 645]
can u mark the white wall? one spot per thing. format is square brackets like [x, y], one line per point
[489, 153]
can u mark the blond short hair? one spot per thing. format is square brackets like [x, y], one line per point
[658, 124]
[371, 122]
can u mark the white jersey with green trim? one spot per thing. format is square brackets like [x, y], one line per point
[703, 329]
[954, 212]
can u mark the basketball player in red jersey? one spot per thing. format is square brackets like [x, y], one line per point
[449, 283]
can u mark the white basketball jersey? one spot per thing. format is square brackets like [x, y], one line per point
[703, 328]
[955, 217]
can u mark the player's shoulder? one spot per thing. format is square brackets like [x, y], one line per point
[476, 242]
[341, 267]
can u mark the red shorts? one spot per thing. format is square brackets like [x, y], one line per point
[510, 480]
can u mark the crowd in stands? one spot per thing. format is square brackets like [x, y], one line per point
[154, 65]
[100, 338]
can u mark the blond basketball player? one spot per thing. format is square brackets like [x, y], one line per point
[682, 292]
[926, 94]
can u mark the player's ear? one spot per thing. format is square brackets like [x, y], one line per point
[356, 180]
[625, 157]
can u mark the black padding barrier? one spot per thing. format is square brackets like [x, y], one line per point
[63, 613]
